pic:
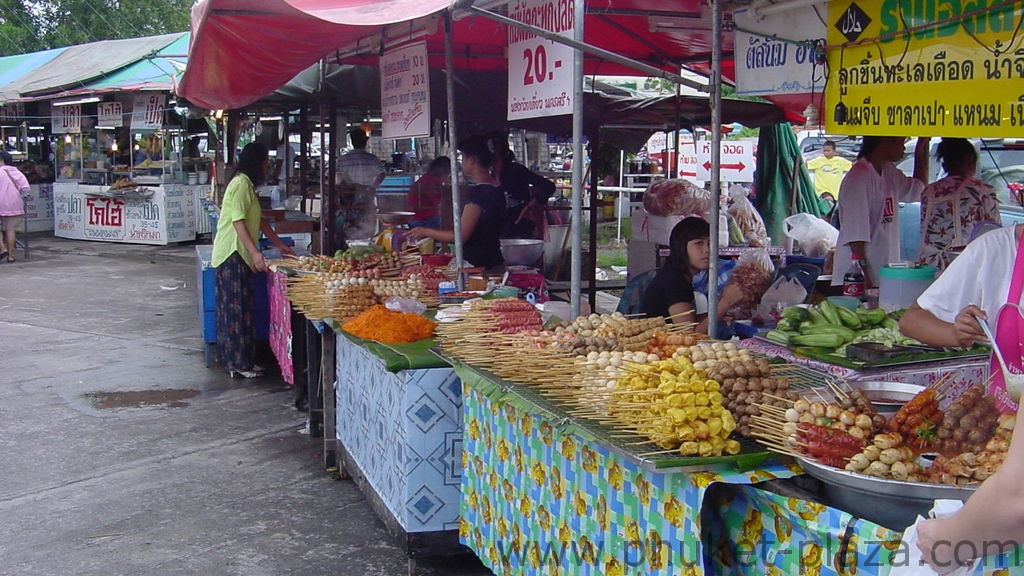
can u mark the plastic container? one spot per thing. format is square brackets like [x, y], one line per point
[900, 287]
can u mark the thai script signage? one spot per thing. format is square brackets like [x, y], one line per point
[779, 54]
[540, 71]
[925, 68]
[405, 92]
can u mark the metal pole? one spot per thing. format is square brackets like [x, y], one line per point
[452, 152]
[618, 203]
[716, 160]
[577, 164]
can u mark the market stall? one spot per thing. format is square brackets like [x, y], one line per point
[159, 215]
[397, 405]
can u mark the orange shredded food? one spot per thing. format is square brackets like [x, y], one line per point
[384, 325]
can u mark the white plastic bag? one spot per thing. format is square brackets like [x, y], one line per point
[816, 236]
[747, 217]
[399, 304]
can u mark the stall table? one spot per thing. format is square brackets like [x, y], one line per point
[85, 212]
[399, 434]
[544, 495]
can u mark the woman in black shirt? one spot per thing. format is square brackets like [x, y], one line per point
[670, 294]
[484, 210]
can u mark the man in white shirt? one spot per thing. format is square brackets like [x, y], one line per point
[869, 198]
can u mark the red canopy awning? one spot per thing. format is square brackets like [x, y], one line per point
[243, 50]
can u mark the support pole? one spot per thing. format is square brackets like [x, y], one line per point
[452, 151]
[577, 163]
[716, 160]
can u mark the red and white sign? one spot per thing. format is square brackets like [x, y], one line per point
[148, 111]
[540, 71]
[66, 119]
[109, 115]
[737, 160]
[405, 92]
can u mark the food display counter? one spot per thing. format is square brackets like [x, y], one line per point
[158, 215]
[399, 435]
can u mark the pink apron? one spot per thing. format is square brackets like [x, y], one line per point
[1009, 332]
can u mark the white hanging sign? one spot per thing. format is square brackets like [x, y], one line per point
[405, 92]
[148, 111]
[66, 119]
[109, 115]
[777, 55]
[736, 160]
[540, 71]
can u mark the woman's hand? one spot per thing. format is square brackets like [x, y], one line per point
[419, 232]
[936, 549]
[259, 262]
[966, 327]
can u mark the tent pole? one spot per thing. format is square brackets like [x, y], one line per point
[452, 152]
[716, 159]
[575, 283]
[618, 203]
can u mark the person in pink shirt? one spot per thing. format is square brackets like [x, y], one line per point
[12, 208]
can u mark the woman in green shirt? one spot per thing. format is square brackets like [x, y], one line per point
[236, 256]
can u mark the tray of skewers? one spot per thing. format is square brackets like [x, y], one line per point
[840, 438]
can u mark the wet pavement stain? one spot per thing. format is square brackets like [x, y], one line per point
[141, 398]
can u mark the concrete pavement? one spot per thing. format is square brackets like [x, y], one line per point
[123, 454]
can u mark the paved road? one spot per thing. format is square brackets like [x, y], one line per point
[122, 454]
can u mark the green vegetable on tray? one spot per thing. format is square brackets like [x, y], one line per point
[830, 326]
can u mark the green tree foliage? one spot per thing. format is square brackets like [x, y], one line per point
[33, 25]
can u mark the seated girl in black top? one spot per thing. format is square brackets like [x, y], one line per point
[484, 210]
[671, 293]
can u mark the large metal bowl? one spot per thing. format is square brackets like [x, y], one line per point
[891, 503]
[398, 218]
[521, 252]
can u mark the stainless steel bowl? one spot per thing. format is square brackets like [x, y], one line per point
[396, 217]
[888, 397]
[521, 252]
[891, 503]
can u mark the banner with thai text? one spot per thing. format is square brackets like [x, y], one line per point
[405, 92]
[778, 54]
[540, 71]
[925, 68]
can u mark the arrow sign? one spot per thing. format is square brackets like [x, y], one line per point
[737, 166]
[736, 160]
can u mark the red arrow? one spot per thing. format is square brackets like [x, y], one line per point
[739, 166]
[694, 174]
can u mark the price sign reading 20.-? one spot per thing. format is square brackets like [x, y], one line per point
[540, 70]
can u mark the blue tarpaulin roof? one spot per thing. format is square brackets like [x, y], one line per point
[17, 66]
[149, 63]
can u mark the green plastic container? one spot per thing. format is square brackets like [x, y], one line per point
[899, 287]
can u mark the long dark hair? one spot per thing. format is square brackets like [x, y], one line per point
[483, 148]
[692, 228]
[954, 153]
[251, 162]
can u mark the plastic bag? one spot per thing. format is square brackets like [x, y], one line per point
[400, 304]
[752, 275]
[676, 196]
[816, 237]
[747, 217]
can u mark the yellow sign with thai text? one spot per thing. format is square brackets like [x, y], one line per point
[925, 68]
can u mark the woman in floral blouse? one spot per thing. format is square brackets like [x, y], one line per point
[951, 208]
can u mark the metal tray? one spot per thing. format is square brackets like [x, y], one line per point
[891, 503]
